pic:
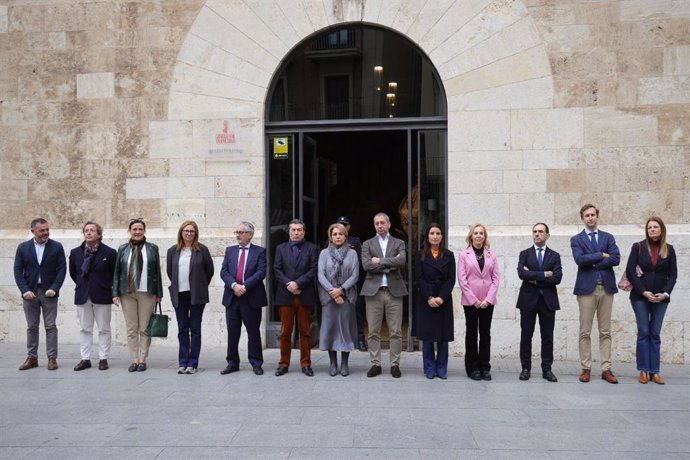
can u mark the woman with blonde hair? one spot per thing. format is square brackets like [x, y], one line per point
[190, 270]
[652, 271]
[478, 278]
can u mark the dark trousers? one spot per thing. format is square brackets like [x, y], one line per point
[32, 311]
[287, 321]
[478, 338]
[240, 312]
[435, 358]
[528, 319]
[189, 330]
[361, 310]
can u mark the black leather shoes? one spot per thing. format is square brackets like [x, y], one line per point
[308, 371]
[485, 375]
[474, 375]
[83, 364]
[525, 374]
[103, 365]
[141, 367]
[395, 372]
[374, 371]
[362, 345]
[132, 367]
[229, 370]
[258, 370]
[548, 375]
[281, 371]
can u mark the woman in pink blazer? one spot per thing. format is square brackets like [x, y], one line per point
[478, 279]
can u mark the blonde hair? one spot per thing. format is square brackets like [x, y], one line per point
[468, 238]
[331, 227]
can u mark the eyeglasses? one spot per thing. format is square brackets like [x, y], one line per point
[188, 231]
[240, 232]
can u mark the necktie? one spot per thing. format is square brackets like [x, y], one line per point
[593, 239]
[540, 257]
[240, 267]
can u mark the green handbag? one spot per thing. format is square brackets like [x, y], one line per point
[158, 323]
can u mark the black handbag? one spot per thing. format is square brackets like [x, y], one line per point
[158, 323]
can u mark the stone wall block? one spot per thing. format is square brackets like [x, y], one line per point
[240, 186]
[598, 62]
[568, 180]
[58, 87]
[467, 162]
[491, 182]
[187, 167]
[168, 12]
[546, 128]
[96, 85]
[141, 167]
[607, 126]
[25, 18]
[677, 60]
[97, 142]
[565, 38]
[635, 207]
[640, 62]
[492, 208]
[636, 10]
[123, 210]
[674, 125]
[4, 20]
[225, 213]
[530, 94]
[589, 92]
[179, 210]
[273, 17]
[520, 181]
[229, 137]
[185, 106]
[166, 187]
[664, 90]
[200, 81]
[567, 206]
[234, 166]
[170, 139]
[527, 208]
[485, 130]
[14, 189]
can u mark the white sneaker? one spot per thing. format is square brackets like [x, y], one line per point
[190, 370]
[180, 370]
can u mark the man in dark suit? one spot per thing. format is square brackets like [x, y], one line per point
[595, 253]
[243, 272]
[39, 271]
[383, 258]
[539, 268]
[91, 267]
[295, 266]
[354, 243]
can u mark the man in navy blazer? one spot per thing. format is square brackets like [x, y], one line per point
[539, 268]
[39, 271]
[295, 266]
[243, 272]
[595, 253]
[91, 267]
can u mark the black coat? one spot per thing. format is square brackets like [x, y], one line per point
[97, 285]
[535, 283]
[303, 273]
[655, 278]
[435, 278]
[200, 274]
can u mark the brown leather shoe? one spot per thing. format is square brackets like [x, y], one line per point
[52, 364]
[656, 378]
[30, 363]
[643, 378]
[585, 375]
[609, 377]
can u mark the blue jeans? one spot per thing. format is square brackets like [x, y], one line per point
[435, 361]
[189, 330]
[649, 317]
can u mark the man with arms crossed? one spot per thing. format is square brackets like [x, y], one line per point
[595, 253]
[383, 258]
[540, 270]
[39, 271]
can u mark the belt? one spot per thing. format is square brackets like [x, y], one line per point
[383, 288]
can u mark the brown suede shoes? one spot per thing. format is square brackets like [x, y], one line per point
[52, 364]
[30, 363]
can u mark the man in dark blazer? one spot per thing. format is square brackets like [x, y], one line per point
[39, 271]
[539, 268]
[91, 267]
[295, 266]
[243, 272]
[595, 253]
[383, 258]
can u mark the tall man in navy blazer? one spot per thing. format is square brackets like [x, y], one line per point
[295, 266]
[39, 271]
[595, 253]
[539, 268]
[243, 272]
[91, 267]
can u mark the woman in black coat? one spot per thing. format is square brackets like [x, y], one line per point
[190, 270]
[435, 273]
[652, 271]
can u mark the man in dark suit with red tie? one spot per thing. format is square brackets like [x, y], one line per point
[295, 266]
[539, 268]
[243, 272]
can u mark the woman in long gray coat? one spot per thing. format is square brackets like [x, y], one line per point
[338, 275]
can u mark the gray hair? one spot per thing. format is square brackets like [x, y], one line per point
[248, 226]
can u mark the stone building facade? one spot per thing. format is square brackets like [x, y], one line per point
[111, 110]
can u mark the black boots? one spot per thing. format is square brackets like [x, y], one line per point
[333, 355]
[344, 370]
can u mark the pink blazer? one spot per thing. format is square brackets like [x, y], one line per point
[477, 285]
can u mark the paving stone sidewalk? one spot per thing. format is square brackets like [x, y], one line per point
[158, 414]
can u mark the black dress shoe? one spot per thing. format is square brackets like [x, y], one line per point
[395, 372]
[281, 371]
[486, 375]
[430, 375]
[525, 374]
[374, 371]
[132, 367]
[258, 370]
[141, 367]
[362, 345]
[83, 364]
[474, 375]
[229, 370]
[308, 371]
[548, 375]
[103, 365]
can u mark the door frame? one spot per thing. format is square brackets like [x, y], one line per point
[300, 131]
